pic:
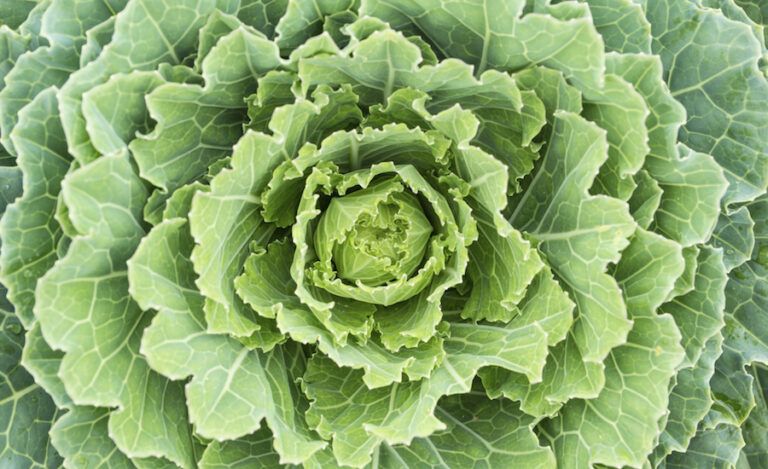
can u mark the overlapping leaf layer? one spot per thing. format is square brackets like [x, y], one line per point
[383, 233]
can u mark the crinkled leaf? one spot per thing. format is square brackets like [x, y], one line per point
[105, 369]
[618, 427]
[208, 120]
[233, 203]
[253, 451]
[692, 184]
[82, 438]
[303, 20]
[267, 285]
[147, 33]
[400, 412]
[26, 410]
[735, 234]
[491, 34]
[710, 66]
[115, 111]
[718, 447]
[233, 388]
[471, 438]
[43, 363]
[29, 230]
[699, 313]
[689, 401]
[580, 234]
[622, 25]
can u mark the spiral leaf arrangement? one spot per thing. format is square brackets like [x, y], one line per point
[384, 233]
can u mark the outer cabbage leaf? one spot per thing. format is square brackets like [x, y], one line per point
[726, 95]
[580, 234]
[471, 437]
[619, 427]
[233, 388]
[147, 33]
[102, 365]
[491, 34]
[29, 230]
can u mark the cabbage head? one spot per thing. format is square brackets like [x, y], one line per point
[383, 234]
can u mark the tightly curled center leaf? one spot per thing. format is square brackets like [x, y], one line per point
[377, 234]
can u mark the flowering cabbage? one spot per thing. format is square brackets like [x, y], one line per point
[384, 233]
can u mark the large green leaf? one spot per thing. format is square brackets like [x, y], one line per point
[711, 67]
[718, 447]
[303, 20]
[622, 25]
[580, 234]
[691, 183]
[13, 12]
[699, 313]
[491, 34]
[147, 33]
[63, 23]
[26, 411]
[82, 437]
[618, 427]
[386, 61]
[399, 413]
[29, 231]
[250, 452]
[689, 402]
[233, 388]
[470, 438]
[198, 125]
[102, 365]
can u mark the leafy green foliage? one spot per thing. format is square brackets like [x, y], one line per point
[383, 233]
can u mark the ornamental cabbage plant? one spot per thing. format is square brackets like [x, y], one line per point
[384, 233]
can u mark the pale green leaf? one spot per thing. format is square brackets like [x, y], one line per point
[471, 438]
[579, 233]
[619, 426]
[115, 111]
[689, 402]
[699, 313]
[303, 20]
[622, 112]
[233, 388]
[399, 413]
[692, 184]
[491, 34]
[29, 232]
[249, 452]
[147, 33]
[232, 203]
[198, 125]
[82, 438]
[267, 286]
[43, 363]
[711, 67]
[105, 369]
[622, 25]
